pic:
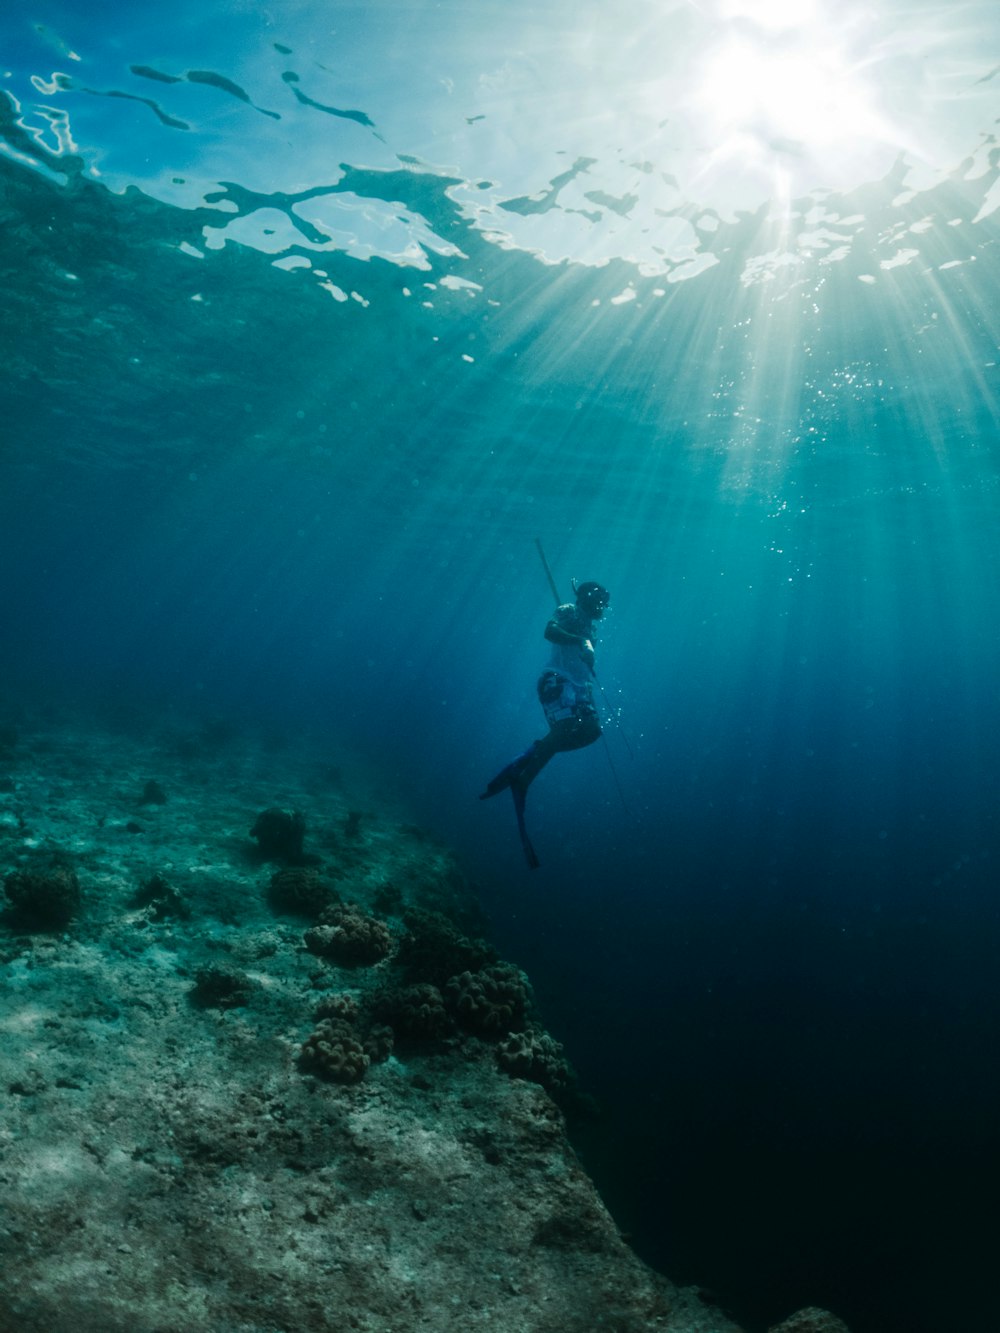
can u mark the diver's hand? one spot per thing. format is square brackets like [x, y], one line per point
[587, 653]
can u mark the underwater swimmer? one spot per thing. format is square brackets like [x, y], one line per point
[566, 693]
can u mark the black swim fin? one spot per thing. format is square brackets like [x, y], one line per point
[506, 775]
[529, 851]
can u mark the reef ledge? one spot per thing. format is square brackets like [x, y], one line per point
[176, 1156]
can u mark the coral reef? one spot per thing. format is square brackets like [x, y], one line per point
[347, 1019]
[163, 1164]
[338, 1005]
[416, 1012]
[491, 1001]
[333, 1051]
[810, 1320]
[299, 891]
[434, 950]
[535, 1055]
[43, 896]
[280, 834]
[220, 988]
[350, 937]
[162, 899]
[379, 1042]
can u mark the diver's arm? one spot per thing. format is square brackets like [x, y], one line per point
[556, 633]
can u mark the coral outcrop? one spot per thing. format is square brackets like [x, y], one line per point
[220, 987]
[345, 1018]
[379, 1041]
[333, 1050]
[161, 898]
[43, 897]
[280, 833]
[415, 1012]
[535, 1055]
[300, 891]
[153, 794]
[339, 1005]
[810, 1320]
[350, 936]
[434, 950]
[492, 1001]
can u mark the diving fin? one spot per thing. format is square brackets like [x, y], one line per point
[506, 776]
[529, 851]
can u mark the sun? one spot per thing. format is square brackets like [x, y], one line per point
[772, 15]
[781, 91]
[784, 92]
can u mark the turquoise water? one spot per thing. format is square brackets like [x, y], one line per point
[316, 318]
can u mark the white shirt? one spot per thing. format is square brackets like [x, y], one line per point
[565, 657]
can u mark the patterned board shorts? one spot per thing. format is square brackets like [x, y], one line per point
[562, 698]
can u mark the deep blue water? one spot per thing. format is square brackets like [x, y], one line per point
[766, 921]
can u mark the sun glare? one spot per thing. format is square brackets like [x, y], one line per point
[771, 14]
[788, 95]
[780, 90]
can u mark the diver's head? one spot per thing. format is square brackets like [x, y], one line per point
[592, 599]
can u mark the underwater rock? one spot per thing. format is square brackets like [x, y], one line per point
[280, 833]
[573, 1229]
[153, 794]
[43, 897]
[161, 898]
[810, 1320]
[352, 824]
[220, 988]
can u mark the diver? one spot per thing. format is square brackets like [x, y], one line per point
[566, 693]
